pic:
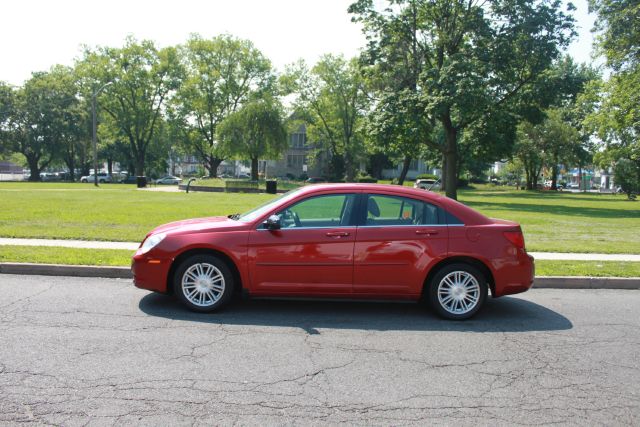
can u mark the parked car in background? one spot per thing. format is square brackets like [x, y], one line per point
[102, 178]
[427, 184]
[130, 179]
[49, 177]
[168, 180]
[363, 241]
[243, 176]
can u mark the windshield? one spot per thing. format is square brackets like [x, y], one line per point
[257, 212]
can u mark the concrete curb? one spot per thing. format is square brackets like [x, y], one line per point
[550, 282]
[583, 282]
[65, 270]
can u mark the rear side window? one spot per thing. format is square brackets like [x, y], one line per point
[382, 210]
[452, 219]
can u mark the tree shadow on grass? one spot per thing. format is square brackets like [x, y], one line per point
[572, 211]
[506, 314]
[546, 195]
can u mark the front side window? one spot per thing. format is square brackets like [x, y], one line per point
[334, 210]
[393, 210]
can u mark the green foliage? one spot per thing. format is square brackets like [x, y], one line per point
[42, 120]
[332, 96]
[618, 27]
[426, 176]
[142, 78]
[627, 175]
[221, 75]
[473, 64]
[615, 104]
[255, 131]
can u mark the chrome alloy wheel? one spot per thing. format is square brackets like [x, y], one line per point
[203, 284]
[458, 292]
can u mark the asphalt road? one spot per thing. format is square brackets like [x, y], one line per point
[76, 351]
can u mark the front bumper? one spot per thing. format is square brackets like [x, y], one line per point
[150, 272]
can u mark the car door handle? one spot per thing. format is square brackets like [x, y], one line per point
[429, 232]
[337, 234]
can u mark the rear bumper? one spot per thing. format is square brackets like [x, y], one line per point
[515, 277]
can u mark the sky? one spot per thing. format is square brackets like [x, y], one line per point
[37, 34]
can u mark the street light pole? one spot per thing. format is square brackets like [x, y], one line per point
[95, 141]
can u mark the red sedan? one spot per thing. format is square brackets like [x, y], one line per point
[340, 241]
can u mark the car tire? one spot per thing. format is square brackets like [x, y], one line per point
[457, 291]
[83, 181]
[203, 283]
[101, 181]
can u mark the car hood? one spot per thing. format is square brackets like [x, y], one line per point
[214, 223]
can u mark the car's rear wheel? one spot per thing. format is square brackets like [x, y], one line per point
[203, 283]
[457, 291]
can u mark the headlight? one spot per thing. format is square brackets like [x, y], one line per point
[151, 242]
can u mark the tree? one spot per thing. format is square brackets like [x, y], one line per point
[143, 78]
[627, 175]
[332, 94]
[255, 131]
[396, 127]
[40, 118]
[477, 60]
[7, 107]
[222, 74]
[618, 28]
[74, 131]
[616, 103]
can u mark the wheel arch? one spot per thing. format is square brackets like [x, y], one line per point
[474, 262]
[205, 251]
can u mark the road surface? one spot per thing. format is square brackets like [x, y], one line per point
[76, 351]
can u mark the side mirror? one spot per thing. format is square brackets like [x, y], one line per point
[272, 223]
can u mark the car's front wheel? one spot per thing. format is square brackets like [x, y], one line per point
[203, 283]
[457, 291]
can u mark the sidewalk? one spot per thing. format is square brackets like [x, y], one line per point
[132, 246]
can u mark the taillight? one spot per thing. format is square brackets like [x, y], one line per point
[516, 238]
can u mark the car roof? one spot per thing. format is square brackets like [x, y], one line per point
[463, 212]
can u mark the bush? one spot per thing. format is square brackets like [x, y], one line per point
[367, 179]
[463, 183]
[426, 176]
[627, 176]
[234, 185]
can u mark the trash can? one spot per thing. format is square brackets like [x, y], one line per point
[272, 186]
[141, 181]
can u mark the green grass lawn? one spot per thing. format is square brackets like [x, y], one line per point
[67, 256]
[564, 222]
[553, 222]
[109, 257]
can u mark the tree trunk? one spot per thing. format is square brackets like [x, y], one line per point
[109, 166]
[451, 160]
[254, 169]
[350, 173]
[34, 168]
[212, 166]
[405, 168]
[140, 165]
[443, 171]
[554, 172]
[71, 165]
[579, 177]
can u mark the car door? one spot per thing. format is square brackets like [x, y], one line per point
[312, 252]
[398, 239]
